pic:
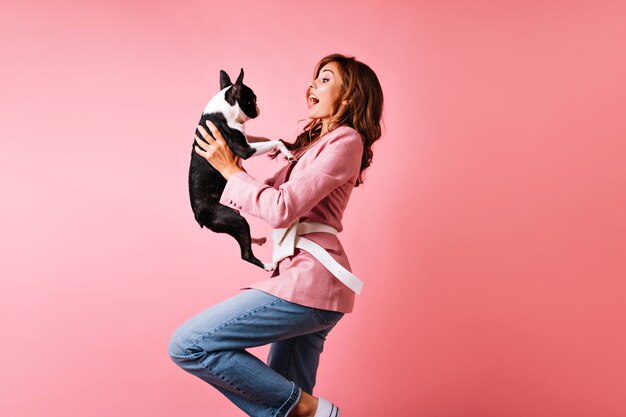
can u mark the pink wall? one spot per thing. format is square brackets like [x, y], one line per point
[490, 231]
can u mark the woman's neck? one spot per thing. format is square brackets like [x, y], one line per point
[324, 127]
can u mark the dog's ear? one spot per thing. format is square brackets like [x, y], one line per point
[240, 78]
[224, 80]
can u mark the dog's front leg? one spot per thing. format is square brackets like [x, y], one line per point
[264, 147]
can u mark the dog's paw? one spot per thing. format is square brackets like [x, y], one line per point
[269, 266]
[290, 157]
[259, 240]
[283, 149]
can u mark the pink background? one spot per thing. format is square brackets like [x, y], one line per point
[490, 231]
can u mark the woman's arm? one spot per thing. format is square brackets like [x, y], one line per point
[338, 162]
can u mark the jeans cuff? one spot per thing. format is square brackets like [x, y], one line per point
[291, 402]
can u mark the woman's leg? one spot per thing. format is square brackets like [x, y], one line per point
[211, 345]
[297, 358]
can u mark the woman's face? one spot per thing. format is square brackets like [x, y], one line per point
[326, 88]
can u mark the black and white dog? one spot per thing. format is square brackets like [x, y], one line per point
[228, 110]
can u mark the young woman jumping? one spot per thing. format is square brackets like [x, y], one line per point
[311, 289]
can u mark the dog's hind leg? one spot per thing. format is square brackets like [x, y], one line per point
[223, 219]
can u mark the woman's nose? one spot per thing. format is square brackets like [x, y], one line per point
[311, 85]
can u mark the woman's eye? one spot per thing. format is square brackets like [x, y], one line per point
[327, 79]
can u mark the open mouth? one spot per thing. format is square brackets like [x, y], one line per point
[313, 100]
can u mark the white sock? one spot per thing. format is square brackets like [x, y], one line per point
[326, 409]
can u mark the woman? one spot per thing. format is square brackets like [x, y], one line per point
[303, 300]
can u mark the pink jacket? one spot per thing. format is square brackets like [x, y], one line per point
[316, 188]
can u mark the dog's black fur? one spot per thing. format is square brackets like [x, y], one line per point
[206, 184]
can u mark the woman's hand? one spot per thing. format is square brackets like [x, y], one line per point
[217, 151]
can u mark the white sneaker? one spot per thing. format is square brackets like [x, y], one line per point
[326, 409]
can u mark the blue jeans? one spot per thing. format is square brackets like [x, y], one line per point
[211, 345]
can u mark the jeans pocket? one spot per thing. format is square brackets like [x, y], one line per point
[326, 317]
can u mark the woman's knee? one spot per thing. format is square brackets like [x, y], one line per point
[189, 343]
[180, 343]
[177, 348]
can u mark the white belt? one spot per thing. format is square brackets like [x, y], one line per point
[287, 239]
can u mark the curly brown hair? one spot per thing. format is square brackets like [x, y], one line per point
[363, 112]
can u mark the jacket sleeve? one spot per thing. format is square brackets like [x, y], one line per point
[336, 163]
[271, 180]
